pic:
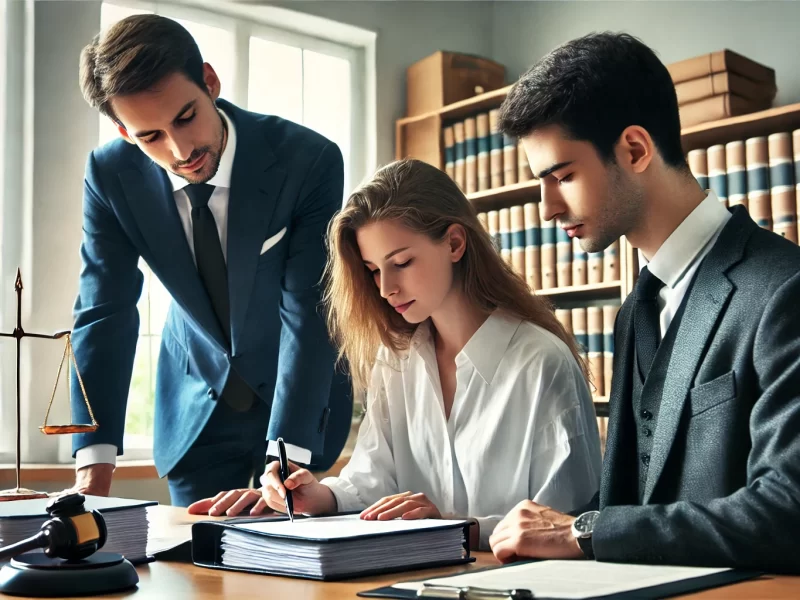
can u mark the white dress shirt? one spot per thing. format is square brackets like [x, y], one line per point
[522, 426]
[218, 205]
[677, 260]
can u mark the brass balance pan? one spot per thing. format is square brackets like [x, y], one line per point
[65, 429]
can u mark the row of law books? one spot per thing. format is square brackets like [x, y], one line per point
[479, 158]
[593, 330]
[761, 173]
[543, 254]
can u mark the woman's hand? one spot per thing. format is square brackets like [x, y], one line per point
[308, 495]
[406, 505]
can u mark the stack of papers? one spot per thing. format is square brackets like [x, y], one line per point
[329, 547]
[126, 523]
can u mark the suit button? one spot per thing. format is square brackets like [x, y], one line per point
[212, 394]
[645, 459]
[646, 432]
[646, 415]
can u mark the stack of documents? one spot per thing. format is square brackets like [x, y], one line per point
[329, 547]
[126, 522]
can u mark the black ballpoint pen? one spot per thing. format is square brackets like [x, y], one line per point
[284, 472]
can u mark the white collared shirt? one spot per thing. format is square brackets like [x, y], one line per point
[522, 426]
[677, 260]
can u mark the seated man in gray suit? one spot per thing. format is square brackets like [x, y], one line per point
[702, 463]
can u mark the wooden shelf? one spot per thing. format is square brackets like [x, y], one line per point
[464, 108]
[773, 120]
[583, 292]
[527, 191]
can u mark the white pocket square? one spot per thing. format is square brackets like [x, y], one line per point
[273, 240]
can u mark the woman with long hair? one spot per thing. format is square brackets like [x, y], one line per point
[476, 396]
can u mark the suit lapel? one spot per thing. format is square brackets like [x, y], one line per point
[149, 196]
[615, 472]
[256, 183]
[707, 299]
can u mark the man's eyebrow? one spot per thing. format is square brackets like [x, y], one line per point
[185, 107]
[554, 168]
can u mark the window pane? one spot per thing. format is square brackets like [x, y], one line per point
[275, 86]
[216, 46]
[326, 99]
[141, 397]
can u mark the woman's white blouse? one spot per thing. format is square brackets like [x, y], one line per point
[522, 426]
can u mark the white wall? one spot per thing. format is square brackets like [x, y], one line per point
[765, 31]
[407, 32]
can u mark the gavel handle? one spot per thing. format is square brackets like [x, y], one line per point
[32, 543]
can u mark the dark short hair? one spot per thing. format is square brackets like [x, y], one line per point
[594, 87]
[133, 55]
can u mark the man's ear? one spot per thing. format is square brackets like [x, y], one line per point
[457, 240]
[635, 149]
[124, 133]
[210, 78]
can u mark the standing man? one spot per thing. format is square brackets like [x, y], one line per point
[229, 209]
[702, 463]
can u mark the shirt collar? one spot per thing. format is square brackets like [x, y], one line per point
[484, 350]
[682, 247]
[222, 178]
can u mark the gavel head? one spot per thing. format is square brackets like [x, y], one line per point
[73, 532]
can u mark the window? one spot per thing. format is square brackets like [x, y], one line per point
[263, 69]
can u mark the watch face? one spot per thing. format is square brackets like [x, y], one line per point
[584, 524]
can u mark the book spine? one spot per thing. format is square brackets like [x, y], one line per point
[484, 148]
[580, 267]
[737, 173]
[611, 262]
[523, 168]
[758, 194]
[594, 317]
[563, 258]
[495, 151]
[549, 277]
[494, 229]
[609, 316]
[796, 147]
[717, 173]
[509, 160]
[518, 241]
[533, 246]
[461, 155]
[698, 165]
[596, 269]
[564, 316]
[579, 330]
[471, 160]
[450, 153]
[782, 190]
[483, 219]
[505, 235]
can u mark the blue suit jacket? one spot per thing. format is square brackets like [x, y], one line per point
[284, 176]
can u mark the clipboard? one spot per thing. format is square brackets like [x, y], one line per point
[207, 549]
[685, 586]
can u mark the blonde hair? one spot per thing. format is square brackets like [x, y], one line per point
[425, 200]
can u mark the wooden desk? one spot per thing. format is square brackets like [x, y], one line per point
[184, 581]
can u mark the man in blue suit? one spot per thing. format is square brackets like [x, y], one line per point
[229, 209]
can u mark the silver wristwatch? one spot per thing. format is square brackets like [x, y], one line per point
[582, 529]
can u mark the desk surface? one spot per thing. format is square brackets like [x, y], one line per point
[184, 581]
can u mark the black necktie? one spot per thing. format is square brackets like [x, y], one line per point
[646, 320]
[214, 275]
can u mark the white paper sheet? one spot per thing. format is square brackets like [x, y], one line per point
[341, 527]
[570, 580]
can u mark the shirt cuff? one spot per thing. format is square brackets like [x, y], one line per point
[346, 495]
[95, 454]
[296, 454]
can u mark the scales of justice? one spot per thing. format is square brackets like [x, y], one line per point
[20, 493]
